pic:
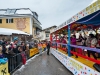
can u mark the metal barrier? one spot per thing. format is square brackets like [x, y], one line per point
[14, 62]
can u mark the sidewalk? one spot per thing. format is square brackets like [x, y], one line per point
[43, 65]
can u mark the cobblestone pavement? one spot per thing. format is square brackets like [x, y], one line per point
[43, 65]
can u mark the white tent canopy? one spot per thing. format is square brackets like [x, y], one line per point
[6, 31]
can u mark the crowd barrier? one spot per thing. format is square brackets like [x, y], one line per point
[16, 61]
[33, 52]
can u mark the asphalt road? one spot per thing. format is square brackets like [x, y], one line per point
[43, 65]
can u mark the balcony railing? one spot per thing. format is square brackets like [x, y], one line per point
[38, 26]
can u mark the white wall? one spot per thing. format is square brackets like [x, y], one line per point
[43, 34]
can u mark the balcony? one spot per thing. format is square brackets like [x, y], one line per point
[37, 26]
[37, 36]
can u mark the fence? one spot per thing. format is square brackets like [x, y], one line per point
[14, 62]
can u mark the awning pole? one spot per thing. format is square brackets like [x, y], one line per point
[69, 48]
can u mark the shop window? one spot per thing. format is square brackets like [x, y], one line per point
[9, 20]
[0, 20]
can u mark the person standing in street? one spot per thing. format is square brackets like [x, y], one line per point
[44, 46]
[40, 48]
[48, 48]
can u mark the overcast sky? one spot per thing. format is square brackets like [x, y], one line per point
[51, 12]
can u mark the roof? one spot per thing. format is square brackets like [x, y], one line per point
[6, 31]
[15, 11]
[49, 27]
[18, 12]
[92, 19]
[95, 7]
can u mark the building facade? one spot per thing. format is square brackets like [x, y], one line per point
[45, 34]
[22, 19]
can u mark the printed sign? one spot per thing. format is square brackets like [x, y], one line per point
[33, 52]
[4, 69]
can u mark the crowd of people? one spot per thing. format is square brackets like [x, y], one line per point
[92, 41]
[15, 52]
[42, 46]
[18, 51]
[8, 49]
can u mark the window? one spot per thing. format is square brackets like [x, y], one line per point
[47, 31]
[13, 11]
[6, 20]
[9, 20]
[0, 20]
[47, 35]
[8, 11]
